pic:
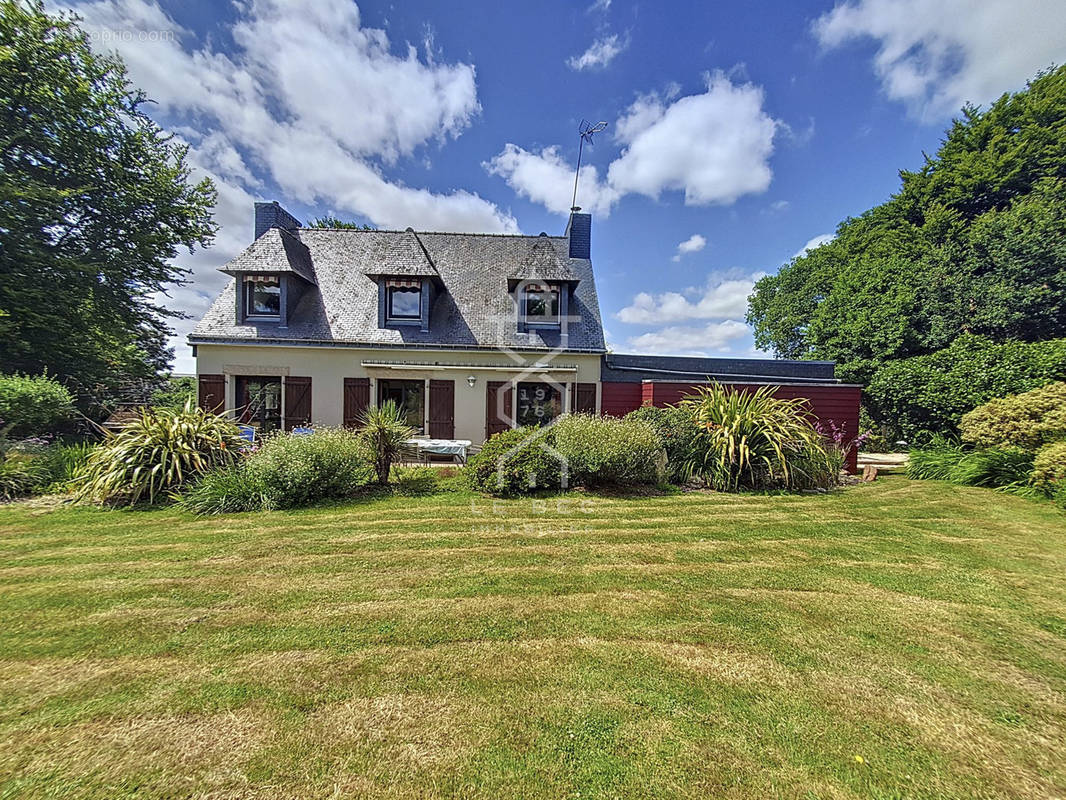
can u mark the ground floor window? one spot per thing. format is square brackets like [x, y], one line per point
[538, 404]
[410, 396]
[259, 402]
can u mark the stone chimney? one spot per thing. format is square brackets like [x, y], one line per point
[579, 232]
[272, 215]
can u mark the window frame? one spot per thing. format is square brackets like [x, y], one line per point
[249, 287]
[385, 383]
[402, 318]
[258, 417]
[553, 290]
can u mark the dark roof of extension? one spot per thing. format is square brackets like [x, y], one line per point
[276, 250]
[634, 369]
[474, 309]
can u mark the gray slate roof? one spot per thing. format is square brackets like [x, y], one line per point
[474, 310]
[405, 256]
[543, 261]
[276, 250]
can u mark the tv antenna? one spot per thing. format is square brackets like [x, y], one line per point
[585, 131]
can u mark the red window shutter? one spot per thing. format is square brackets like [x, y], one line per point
[297, 402]
[582, 398]
[212, 392]
[497, 407]
[442, 409]
[356, 401]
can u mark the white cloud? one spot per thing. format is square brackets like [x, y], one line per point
[600, 5]
[718, 299]
[600, 53]
[817, 241]
[547, 179]
[692, 244]
[311, 99]
[713, 147]
[936, 56]
[714, 337]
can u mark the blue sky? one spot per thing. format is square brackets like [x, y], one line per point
[744, 131]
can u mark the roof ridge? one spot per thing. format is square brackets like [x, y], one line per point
[432, 233]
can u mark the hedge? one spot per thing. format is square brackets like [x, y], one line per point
[929, 394]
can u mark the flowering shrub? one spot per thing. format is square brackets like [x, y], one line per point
[297, 470]
[677, 434]
[1049, 470]
[606, 451]
[516, 461]
[1026, 420]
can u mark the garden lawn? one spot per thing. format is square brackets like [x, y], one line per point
[897, 639]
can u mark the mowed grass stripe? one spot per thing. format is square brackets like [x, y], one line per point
[685, 645]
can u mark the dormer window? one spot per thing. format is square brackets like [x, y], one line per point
[540, 303]
[403, 299]
[262, 297]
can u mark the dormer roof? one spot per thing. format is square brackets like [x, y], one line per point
[543, 260]
[405, 256]
[276, 251]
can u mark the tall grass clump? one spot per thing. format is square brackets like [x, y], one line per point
[753, 440]
[229, 489]
[157, 453]
[936, 462]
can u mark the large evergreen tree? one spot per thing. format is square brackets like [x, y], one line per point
[95, 201]
[974, 242]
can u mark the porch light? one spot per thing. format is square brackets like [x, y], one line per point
[471, 380]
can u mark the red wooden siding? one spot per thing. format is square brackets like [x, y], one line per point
[356, 400]
[297, 401]
[212, 392]
[442, 409]
[617, 399]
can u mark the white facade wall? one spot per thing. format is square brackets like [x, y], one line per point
[329, 366]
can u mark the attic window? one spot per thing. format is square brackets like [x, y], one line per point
[262, 297]
[540, 303]
[403, 298]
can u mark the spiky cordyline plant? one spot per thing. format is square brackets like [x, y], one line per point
[753, 440]
[157, 452]
[384, 431]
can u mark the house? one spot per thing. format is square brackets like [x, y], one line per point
[469, 334]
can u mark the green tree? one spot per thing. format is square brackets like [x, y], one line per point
[971, 244]
[335, 222]
[95, 201]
